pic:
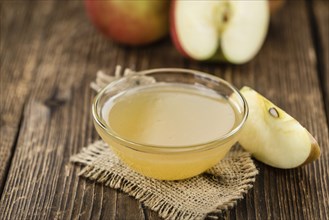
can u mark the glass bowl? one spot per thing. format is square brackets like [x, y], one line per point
[158, 160]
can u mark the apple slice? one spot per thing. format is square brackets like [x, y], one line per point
[228, 30]
[273, 136]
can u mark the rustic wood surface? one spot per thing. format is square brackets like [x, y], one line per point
[320, 17]
[49, 55]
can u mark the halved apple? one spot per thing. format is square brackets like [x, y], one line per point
[226, 30]
[273, 136]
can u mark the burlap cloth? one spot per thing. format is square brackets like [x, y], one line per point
[210, 193]
[202, 196]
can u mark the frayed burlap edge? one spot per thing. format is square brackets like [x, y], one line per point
[165, 210]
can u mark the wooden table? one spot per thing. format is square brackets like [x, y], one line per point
[49, 55]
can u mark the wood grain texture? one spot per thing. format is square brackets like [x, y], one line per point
[18, 59]
[41, 183]
[285, 71]
[54, 54]
[287, 75]
[320, 14]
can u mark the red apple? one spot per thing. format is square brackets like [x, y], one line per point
[132, 22]
[228, 30]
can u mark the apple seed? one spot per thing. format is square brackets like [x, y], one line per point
[273, 112]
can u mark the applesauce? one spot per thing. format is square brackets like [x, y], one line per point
[170, 115]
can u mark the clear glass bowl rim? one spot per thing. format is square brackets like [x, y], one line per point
[162, 148]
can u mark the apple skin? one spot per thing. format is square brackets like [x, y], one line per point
[130, 22]
[218, 56]
[173, 33]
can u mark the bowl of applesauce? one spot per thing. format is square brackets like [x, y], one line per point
[170, 123]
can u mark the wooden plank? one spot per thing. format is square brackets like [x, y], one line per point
[320, 16]
[42, 184]
[285, 71]
[18, 58]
